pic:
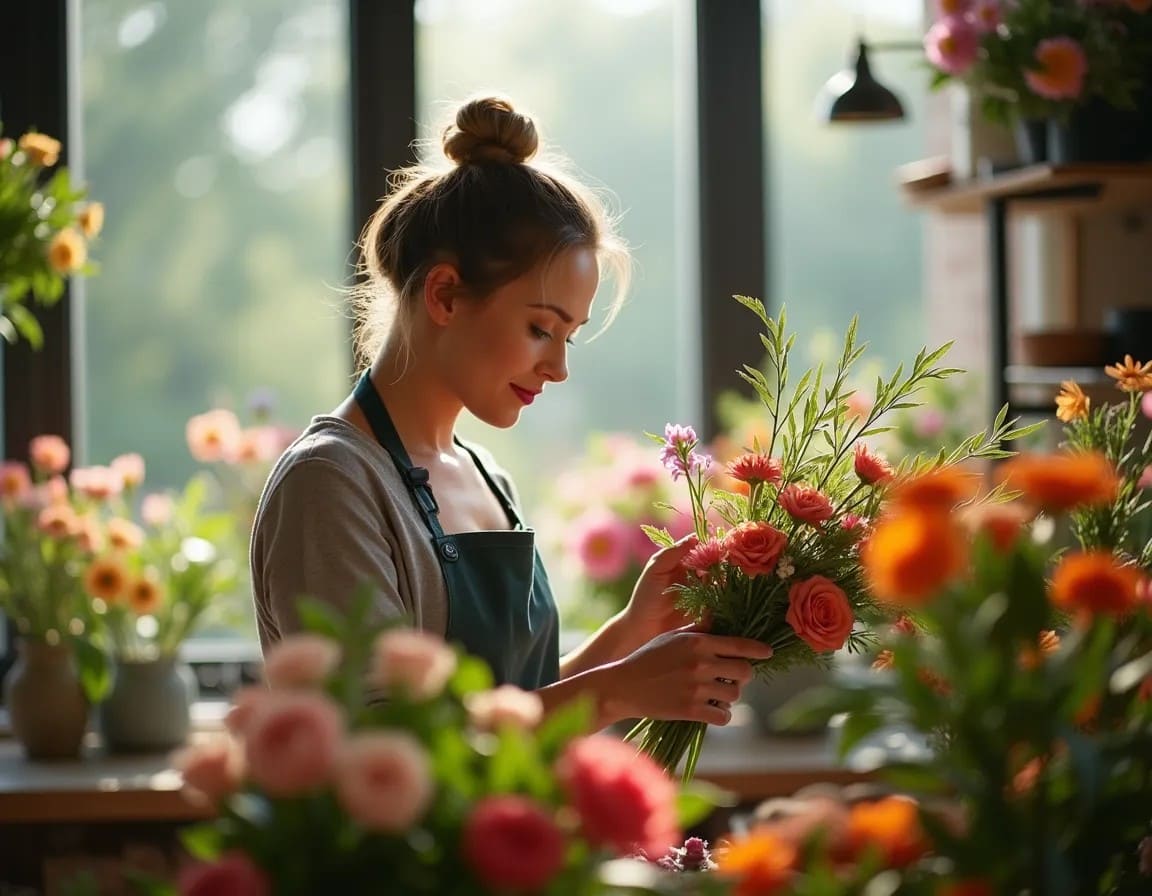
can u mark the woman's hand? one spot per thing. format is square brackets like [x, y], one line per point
[684, 674]
[652, 609]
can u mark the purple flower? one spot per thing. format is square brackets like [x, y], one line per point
[678, 454]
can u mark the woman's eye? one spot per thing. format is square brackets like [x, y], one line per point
[539, 333]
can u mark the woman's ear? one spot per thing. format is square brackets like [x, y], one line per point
[441, 290]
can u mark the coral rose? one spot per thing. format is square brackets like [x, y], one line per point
[912, 554]
[623, 799]
[819, 613]
[302, 660]
[384, 780]
[870, 466]
[1060, 482]
[805, 504]
[292, 741]
[1060, 67]
[512, 843]
[211, 769]
[416, 663]
[755, 547]
[1092, 582]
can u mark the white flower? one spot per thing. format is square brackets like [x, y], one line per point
[785, 567]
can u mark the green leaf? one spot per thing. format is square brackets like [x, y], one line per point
[94, 668]
[321, 618]
[203, 841]
[661, 537]
[697, 800]
[564, 724]
[472, 674]
[26, 324]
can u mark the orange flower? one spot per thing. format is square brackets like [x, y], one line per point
[912, 554]
[940, 489]
[1092, 582]
[1131, 376]
[971, 887]
[213, 435]
[124, 535]
[91, 219]
[40, 149]
[761, 862]
[1000, 524]
[1060, 482]
[66, 251]
[145, 595]
[892, 825]
[1072, 403]
[106, 579]
[936, 682]
[885, 659]
[753, 468]
[1048, 642]
[58, 521]
[870, 466]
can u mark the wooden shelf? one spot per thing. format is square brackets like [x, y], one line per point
[1036, 188]
[1025, 375]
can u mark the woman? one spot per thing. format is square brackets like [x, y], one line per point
[476, 280]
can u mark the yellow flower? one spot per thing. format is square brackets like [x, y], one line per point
[106, 579]
[91, 219]
[1131, 376]
[40, 149]
[1071, 403]
[67, 251]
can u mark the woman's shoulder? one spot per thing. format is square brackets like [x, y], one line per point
[333, 448]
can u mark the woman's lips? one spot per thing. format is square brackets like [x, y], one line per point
[524, 395]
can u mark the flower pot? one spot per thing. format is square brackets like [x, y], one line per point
[149, 707]
[46, 704]
[1031, 140]
[1099, 132]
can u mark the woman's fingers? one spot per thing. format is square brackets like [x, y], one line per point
[745, 648]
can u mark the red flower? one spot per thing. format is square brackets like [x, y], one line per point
[806, 504]
[753, 468]
[704, 557]
[819, 613]
[512, 843]
[869, 466]
[233, 874]
[623, 799]
[755, 547]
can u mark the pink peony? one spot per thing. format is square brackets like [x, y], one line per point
[302, 660]
[292, 741]
[602, 542]
[623, 799]
[805, 504]
[384, 780]
[704, 557]
[416, 663]
[755, 547]
[49, 454]
[15, 482]
[505, 706]
[156, 509]
[130, 467]
[819, 613]
[233, 874]
[870, 466]
[213, 435]
[952, 45]
[987, 15]
[513, 843]
[753, 468]
[212, 770]
[1060, 69]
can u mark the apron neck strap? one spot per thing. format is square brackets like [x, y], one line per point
[415, 478]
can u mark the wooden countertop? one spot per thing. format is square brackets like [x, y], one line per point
[102, 788]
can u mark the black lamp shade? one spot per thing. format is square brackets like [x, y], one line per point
[855, 95]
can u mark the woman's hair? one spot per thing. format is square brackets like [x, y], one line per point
[494, 214]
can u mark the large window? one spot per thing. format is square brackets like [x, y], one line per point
[601, 80]
[839, 240]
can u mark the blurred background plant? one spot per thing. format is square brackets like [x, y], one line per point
[46, 224]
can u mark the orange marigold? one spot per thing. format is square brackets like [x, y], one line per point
[1092, 582]
[1060, 482]
[891, 825]
[106, 579]
[1000, 524]
[939, 489]
[1131, 376]
[761, 863]
[145, 595]
[912, 554]
[1072, 403]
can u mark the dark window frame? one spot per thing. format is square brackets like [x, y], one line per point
[38, 387]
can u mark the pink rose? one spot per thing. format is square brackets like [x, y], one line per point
[505, 706]
[755, 548]
[384, 780]
[49, 454]
[233, 874]
[302, 660]
[602, 543]
[416, 663]
[212, 770]
[819, 613]
[292, 741]
[512, 843]
[623, 799]
[870, 466]
[805, 504]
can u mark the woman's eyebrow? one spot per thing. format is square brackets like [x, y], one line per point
[560, 312]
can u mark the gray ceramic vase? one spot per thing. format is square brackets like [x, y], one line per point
[149, 707]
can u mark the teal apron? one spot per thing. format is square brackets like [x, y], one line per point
[500, 606]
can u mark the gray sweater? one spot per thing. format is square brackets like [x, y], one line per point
[334, 515]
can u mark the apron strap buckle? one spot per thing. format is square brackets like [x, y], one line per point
[418, 481]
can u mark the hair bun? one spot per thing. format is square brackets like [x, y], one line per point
[490, 130]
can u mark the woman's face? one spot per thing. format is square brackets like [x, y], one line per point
[500, 352]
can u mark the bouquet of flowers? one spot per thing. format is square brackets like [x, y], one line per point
[601, 506]
[45, 225]
[443, 786]
[781, 562]
[1033, 59]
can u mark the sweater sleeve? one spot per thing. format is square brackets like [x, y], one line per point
[320, 536]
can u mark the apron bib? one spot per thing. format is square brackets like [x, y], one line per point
[500, 605]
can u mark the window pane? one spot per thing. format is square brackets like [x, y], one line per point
[600, 78]
[840, 242]
[215, 134]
